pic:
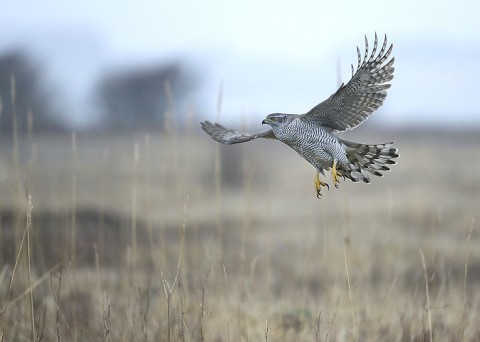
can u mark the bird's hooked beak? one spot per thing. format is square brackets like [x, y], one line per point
[265, 121]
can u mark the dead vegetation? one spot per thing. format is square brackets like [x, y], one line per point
[141, 237]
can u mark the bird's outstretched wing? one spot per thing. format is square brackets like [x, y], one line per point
[353, 103]
[229, 136]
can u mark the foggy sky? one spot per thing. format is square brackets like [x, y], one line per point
[269, 56]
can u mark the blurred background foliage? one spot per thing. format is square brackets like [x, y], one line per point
[132, 97]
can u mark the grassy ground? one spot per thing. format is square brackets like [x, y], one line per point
[170, 236]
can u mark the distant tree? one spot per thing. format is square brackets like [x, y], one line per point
[30, 94]
[139, 97]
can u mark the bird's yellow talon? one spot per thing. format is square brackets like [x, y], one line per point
[319, 184]
[335, 174]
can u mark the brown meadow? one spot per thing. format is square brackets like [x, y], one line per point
[169, 236]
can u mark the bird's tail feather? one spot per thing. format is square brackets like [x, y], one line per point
[362, 158]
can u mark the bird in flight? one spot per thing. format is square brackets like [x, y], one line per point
[312, 135]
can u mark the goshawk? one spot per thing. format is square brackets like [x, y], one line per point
[311, 134]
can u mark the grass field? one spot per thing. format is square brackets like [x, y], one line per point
[172, 237]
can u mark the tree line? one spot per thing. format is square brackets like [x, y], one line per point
[132, 97]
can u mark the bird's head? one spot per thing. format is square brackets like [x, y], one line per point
[277, 119]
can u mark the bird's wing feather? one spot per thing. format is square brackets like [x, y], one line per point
[353, 103]
[229, 136]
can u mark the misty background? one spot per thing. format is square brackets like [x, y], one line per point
[121, 65]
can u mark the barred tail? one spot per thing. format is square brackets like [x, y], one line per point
[372, 158]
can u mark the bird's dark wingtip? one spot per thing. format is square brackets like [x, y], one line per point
[205, 125]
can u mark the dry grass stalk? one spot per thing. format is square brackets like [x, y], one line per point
[169, 289]
[428, 305]
[28, 226]
[347, 273]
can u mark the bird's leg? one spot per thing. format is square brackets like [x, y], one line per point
[335, 174]
[319, 184]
